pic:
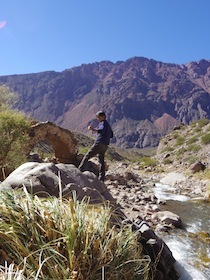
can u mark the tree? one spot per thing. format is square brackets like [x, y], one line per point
[7, 98]
[13, 134]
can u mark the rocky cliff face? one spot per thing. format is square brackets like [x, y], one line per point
[143, 98]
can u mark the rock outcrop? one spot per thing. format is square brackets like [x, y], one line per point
[49, 179]
[62, 140]
[197, 167]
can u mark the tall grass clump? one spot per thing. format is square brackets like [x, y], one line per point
[53, 238]
[168, 149]
[206, 139]
[193, 148]
[148, 161]
[181, 151]
[199, 124]
[192, 140]
[179, 141]
[203, 122]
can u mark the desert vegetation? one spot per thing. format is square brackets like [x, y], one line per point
[54, 238]
[187, 145]
[14, 137]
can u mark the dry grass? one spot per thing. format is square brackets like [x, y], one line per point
[59, 239]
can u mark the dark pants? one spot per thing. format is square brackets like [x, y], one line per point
[96, 149]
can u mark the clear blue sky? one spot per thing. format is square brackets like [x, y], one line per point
[42, 35]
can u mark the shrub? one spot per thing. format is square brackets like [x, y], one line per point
[13, 133]
[83, 150]
[193, 124]
[168, 149]
[192, 140]
[198, 129]
[13, 140]
[204, 175]
[206, 139]
[65, 239]
[175, 135]
[167, 161]
[148, 161]
[7, 98]
[194, 148]
[192, 159]
[203, 122]
[181, 151]
[179, 141]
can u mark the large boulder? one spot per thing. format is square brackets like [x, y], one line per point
[62, 140]
[46, 179]
[161, 257]
[197, 167]
[173, 178]
[168, 218]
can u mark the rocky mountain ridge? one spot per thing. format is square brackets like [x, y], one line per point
[143, 98]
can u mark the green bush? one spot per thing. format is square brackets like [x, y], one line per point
[192, 159]
[203, 122]
[7, 98]
[194, 148]
[192, 140]
[175, 135]
[148, 161]
[198, 129]
[206, 139]
[179, 140]
[13, 140]
[13, 133]
[168, 149]
[193, 124]
[181, 151]
[200, 123]
[167, 161]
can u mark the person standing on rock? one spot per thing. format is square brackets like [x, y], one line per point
[103, 135]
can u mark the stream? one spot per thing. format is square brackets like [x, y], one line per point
[191, 245]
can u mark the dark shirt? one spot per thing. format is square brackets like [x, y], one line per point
[104, 133]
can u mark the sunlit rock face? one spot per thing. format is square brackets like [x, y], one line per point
[62, 140]
[143, 98]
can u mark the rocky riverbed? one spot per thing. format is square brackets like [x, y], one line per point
[134, 190]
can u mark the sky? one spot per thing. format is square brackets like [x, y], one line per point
[54, 35]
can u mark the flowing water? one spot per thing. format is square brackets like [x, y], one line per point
[191, 245]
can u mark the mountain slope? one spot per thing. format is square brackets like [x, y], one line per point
[185, 146]
[136, 94]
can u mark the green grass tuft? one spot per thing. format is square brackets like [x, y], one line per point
[65, 239]
[206, 139]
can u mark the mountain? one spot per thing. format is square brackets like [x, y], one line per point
[166, 123]
[143, 98]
